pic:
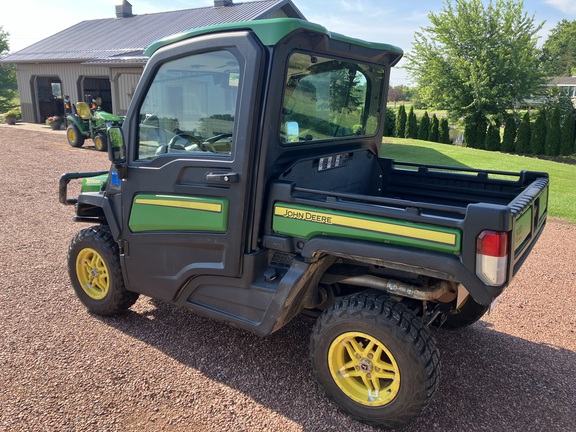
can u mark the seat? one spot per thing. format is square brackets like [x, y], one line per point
[83, 110]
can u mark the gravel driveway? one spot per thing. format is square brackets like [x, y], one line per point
[159, 368]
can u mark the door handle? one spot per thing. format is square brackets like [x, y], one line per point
[222, 177]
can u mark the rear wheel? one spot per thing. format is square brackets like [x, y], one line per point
[74, 136]
[375, 359]
[468, 314]
[95, 272]
[100, 142]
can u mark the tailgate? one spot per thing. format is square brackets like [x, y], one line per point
[529, 212]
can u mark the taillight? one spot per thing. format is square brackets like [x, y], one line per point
[492, 257]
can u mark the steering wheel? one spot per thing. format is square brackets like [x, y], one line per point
[174, 144]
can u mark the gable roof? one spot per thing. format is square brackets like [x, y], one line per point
[120, 40]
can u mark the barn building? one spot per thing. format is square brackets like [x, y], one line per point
[104, 57]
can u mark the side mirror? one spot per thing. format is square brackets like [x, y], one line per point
[292, 132]
[117, 150]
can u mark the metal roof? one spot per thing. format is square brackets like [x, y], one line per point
[124, 39]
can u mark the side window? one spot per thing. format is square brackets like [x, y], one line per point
[190, 106]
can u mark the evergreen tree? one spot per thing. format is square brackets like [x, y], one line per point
[553, 133]
[411, 125]
[400, 126]
[434, 134]
[492, 140]
[444, 132]
[389, 122]
[538, 134]
[509, 135]
[424, 127]
[523, 136]
[567, 144]
[475, 130]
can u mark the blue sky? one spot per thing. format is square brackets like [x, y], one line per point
[391, 22]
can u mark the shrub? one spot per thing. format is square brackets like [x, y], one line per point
[522, 144]
[424, 127]
[434, 134]
[538, 134]
[553, 133]
[567, 144]
[492, 139]
[509, 135]
[411, 125]
[400, 126]
[444, 132]
[389, 122]
[475, 131]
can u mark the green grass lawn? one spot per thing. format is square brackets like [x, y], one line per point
[562, 202]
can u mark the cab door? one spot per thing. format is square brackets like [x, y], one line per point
[191, 132]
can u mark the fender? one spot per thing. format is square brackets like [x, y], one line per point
[441, 266]
[96, 207]
[79, 124]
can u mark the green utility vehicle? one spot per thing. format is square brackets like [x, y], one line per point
[89, 121]
[246, 185]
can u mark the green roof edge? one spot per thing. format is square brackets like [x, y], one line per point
[270, 32]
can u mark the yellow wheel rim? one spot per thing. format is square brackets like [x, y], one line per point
[71, 135]
[364, 369]
[92, 274]
[98, 143]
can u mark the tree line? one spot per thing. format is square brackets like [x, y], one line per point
[479, 61]
[548, 131]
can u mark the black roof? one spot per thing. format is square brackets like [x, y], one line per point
[121, 40]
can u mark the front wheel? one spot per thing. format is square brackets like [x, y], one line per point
[74, 136]
[375, 359]
[100, 142]
[95, 272]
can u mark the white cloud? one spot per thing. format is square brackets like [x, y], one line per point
[566, 6]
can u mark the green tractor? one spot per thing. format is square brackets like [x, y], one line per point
[89, 121]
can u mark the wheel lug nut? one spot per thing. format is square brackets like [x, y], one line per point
[368, 375]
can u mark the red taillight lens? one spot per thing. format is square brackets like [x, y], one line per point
[492, 243]
[492, 257]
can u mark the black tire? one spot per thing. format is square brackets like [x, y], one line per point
[74, 136]
[100, 142]
[95, 272]
[470, 312]
[376, 342]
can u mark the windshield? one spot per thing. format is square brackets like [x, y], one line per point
[326, 98]
[190, 106]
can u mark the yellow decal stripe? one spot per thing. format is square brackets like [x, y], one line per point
[191, 205]
[368, 225]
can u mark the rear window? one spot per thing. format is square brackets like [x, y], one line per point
[327, 98]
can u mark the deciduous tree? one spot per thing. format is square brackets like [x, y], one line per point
[559, 50]
[477, 57]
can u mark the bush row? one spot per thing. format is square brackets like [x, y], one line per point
[406, 125]
[549, 133]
